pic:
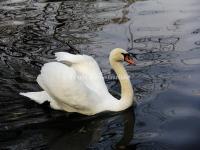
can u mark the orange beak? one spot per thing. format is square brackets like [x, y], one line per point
[129, 59]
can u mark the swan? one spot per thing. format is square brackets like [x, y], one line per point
[74, 83]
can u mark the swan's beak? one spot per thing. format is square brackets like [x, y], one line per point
[130, 60]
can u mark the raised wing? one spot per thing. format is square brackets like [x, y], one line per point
[87, 70]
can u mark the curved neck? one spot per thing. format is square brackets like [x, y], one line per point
[127, 93]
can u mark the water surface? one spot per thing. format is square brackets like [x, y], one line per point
[165, 35]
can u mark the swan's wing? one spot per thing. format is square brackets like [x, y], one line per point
[63, 86]
[71, 58]
[86, 68]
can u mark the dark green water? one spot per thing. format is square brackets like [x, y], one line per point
[165, 35]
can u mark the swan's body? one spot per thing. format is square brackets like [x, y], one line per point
[75, 84]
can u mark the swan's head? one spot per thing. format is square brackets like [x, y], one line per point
[119, 54]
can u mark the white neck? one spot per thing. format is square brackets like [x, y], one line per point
[127, 93]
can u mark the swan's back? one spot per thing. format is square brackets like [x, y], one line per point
[66, 89]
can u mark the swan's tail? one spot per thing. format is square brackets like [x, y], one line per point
[39, 97]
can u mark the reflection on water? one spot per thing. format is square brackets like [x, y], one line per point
[104, 131]
[164, 35]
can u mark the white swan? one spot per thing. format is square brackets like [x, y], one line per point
[75, 84]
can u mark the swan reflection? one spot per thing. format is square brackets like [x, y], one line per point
[104, 131]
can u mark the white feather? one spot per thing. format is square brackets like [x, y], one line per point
[39, 97]
[87, 70]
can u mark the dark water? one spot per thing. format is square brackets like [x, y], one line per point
[165, 35]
